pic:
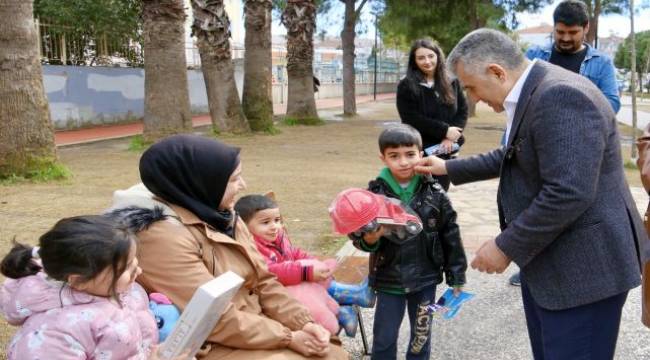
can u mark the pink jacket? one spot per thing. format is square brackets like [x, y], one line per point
[283, 259]
[75, 325]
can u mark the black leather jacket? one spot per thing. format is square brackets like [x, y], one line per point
[420, 261]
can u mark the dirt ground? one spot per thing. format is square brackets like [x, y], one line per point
[304, 165]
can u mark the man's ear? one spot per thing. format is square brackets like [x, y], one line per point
[586, 30]
[497, 71]
[382, 157]
[270, 194]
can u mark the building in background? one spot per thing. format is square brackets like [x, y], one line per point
[541, 35]
[609, 45]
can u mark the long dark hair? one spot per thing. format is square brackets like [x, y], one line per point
[81, 245]
[415, 75]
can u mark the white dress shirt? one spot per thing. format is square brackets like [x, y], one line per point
[510, 103]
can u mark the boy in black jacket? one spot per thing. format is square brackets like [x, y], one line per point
[406, 274]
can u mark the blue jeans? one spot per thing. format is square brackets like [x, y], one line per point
[388, 317]
[587, 332]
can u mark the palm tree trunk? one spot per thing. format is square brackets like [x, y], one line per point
[26, 132]
[299, 18]
[347, 39]
[257, 98]
[212, 29]
[167, 100]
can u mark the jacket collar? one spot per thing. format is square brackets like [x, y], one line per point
[535, 76]
[591, 51]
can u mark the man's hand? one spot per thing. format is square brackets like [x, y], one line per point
[431, 165]
[490, 259]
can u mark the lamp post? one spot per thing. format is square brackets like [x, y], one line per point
[374, 93]
[633, 155]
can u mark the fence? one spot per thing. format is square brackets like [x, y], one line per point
[63, 45]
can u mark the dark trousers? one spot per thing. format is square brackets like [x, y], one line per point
[388, 317]
[587, 332]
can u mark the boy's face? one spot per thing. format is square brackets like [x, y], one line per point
[401, 161]
[266, 224]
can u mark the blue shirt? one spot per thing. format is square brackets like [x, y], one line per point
[596, 66]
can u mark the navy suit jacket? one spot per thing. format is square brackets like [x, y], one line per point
[567, 215]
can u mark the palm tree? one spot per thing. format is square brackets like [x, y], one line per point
[299, 17]
[257, 98]
[26, 132]
[212, 29]
[167, 100]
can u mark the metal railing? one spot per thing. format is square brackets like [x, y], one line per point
[63, 45]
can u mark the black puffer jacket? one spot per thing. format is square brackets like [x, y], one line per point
[420, 261]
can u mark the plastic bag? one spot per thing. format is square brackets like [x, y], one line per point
[448, 305]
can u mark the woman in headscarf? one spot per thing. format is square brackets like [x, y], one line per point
[198, 236]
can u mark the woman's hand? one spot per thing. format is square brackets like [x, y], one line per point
[454, 133]
[306, 344]
[319, 332]
[447, 144]
[155, 356]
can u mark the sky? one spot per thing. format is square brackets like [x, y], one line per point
[608, 24]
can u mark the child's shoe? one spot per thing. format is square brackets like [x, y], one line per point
[348, 294]
[348, 320]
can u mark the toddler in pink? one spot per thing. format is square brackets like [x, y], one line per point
[307, 279]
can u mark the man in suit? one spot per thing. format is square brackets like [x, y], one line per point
[566, 212]
[568, 50]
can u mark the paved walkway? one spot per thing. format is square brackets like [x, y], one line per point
[625, 113]
[492, 325]
[74, 137]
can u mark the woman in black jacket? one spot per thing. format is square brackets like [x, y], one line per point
[430, 101]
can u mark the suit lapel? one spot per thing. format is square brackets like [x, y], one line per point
[534, 78]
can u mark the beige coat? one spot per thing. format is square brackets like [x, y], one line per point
[643, 163]
[180, 254]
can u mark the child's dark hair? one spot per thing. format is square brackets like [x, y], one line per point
[249, 205]
[81, 245]
[571, 13]
[399, 135]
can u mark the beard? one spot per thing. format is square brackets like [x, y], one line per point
[567, 47]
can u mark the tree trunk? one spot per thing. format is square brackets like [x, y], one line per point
[167, 100]
[26, 132]
[212, 28]
[257, 95]
[299, 18]
[593, 23]
[476, 22]
[347, 39]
